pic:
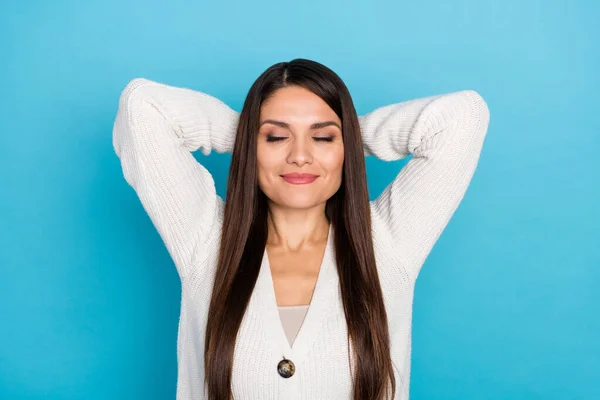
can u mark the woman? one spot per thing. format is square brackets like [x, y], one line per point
[298, 242]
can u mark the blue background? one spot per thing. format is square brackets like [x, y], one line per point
[507, 304]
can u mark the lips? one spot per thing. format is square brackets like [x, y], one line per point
[299, 179]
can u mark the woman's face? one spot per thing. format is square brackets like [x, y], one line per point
[300, 149]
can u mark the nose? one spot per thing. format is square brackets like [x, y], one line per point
[300, 152]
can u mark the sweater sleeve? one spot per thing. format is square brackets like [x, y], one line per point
[445, 135]
[156, 128]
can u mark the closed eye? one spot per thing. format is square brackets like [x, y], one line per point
[317, 139]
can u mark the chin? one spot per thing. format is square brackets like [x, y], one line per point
[299, 205]
[298, 202]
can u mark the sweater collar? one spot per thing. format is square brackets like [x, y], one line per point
[326, 288]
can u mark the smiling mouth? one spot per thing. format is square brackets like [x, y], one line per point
[299, 179]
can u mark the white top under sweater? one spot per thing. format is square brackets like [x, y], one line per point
[291, 319]
[157, 127]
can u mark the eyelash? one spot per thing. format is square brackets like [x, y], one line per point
[318, 139]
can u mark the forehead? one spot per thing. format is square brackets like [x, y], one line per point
[296, 104]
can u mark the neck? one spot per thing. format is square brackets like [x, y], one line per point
[294, 229]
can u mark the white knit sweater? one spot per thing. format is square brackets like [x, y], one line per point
[157, 127]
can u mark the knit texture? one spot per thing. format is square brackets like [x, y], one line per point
[157, 127]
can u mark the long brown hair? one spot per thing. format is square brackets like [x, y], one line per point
[244, 237]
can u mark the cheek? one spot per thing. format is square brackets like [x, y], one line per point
[267, 164]
[334, 161]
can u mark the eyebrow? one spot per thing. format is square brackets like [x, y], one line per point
[317, 125]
